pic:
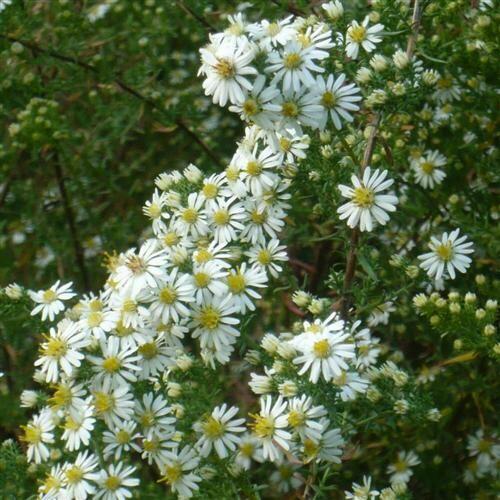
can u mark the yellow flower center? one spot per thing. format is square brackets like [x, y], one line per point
[304, 39]
[292, 61]
[213, 428]
[61, 397]
[172, 473]
[153, 211]
[225, 68]
[427, 167]
[123, 437]
[129, 306]
[111, 364]
[357, 33]
[170, 239]
[285, 144]
[445, 251]
[250, 107]
[95, 305]
[247, 449]
[311, 448]
[190, 215]
[168, 295]
[296, 418]
[363, 197]
[51, 483]
[254, 168]
[147, 419]
[221, 217]
[94, 319]
[71, 425]
[49, 296]
[103, 402]
[313, 328]
[148, 350]
[445, 83]
[232, 173]
[341, 379]
[264, 257]
[289, 109]
[32, 434]
[258, 217]
[273, 29]
[74, 474]
[210, 191]
[202, 255]
[209, 318]
[400, 466]
[112, 483]
[123, 331]
[328, 99]
[135, 264]
[484, 446]
[236, 283]
[262, 426]
[55, 348]
[321, 349]
[150, 445]
[201, 279]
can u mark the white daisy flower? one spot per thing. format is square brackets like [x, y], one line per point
[117, 365]
[261, 223]
[302, 417]
[171, 297]
[266, 256]
[380, 315]
[362, 492]
[485, 449]
[142, 270]
[360, 35]
[447, 254]
[241, 284]
[154, 210]
[207, 280]
[192, 219]
[225, 217]
[298, 108]
[337, 99]
[366, 202]
[270, 34]
[249, 449]
[155, 355]
[99, 322]
[256, 105]
[324, 355]
[350, 384]
[77, 428]
[334, 9]
[226, 66]
[115, 482]
[289, 144]
[427, 171]
[52, 485]
[154, 415]
[177, 471]
[332, 324]
[69, 396]
[113, 404]
[286, 477]
[121, 439]
[219, 430]
[61, 350]
[79, 476]
[50, 301]
[37, 435]
[214, 189]
[156, 446]
[294, 65]
[268, 427]
[328, 449]
[400, 470]
[132, 313]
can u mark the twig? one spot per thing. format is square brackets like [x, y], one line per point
[122, 85]
[193, 14]
[70, 219]
[415, 26]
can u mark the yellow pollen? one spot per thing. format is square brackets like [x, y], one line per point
[321, 349]
[190, 215]
[444, 251]
[168, 295]
[264, 257]
[363, 197]
[225, 68]
[172, 473]
[311, 449]
[103, 402]
[112, 483]
[341, 379]
[135, 264]
[148, 350]
[111, 364]
[328, 99]
[250, 107]
[49, 296]
[400, 466]
[210, 191]
[357, 33]
[292, 61]
[147, 419]
[71, 424]
[55, 348]
[123, 437]
[51, 483]
[61, 397]
[95, 305]
[202, 255]
[32, 434]
[285, 144]
[313, 328]
[74, 474]
[153, 211]
[236, 283]
[484, 446]
[123, 331]
[289, 109]
[94, 319]
[201, 279]
[209, 318]
[221, 217]
[247, 449]
[129, 306]
[232, 173]
[254, 168]
[427, 167]
[296, 418]
[262, 426]
[150, 445]
[258, 217]
[444, 83]
[273, 29]
[170, 239]
[212, 428]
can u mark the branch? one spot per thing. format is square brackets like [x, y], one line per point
[122, 85]
[193, 14]
[70, 219]
[415, 26]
